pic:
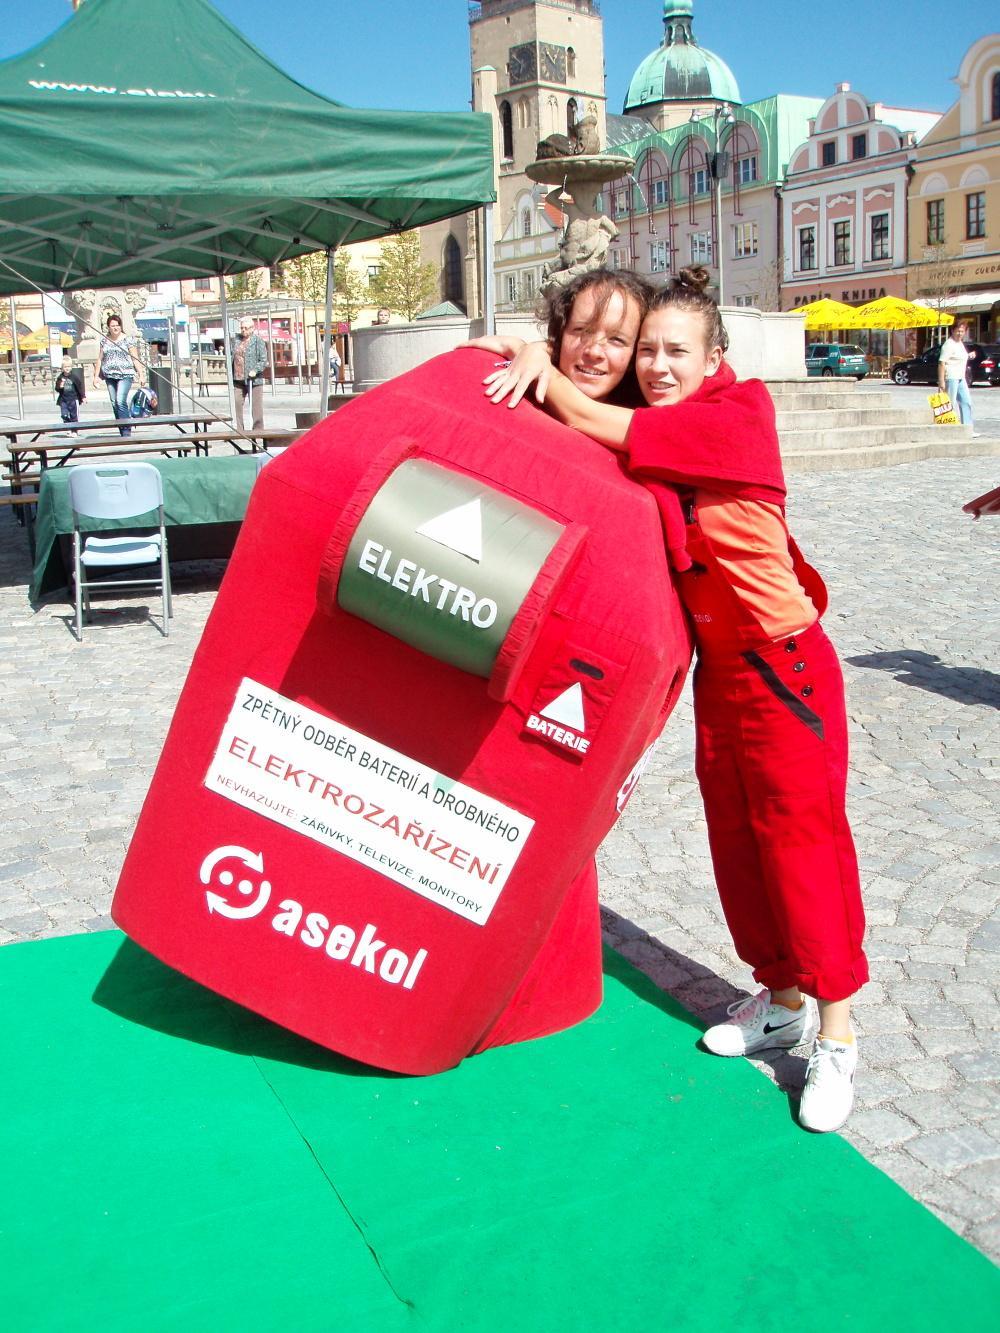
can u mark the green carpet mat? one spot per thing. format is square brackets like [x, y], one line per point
[174, 1162]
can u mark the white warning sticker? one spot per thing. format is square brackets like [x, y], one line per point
[441, 839]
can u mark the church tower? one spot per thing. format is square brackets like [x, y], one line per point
[537, 69]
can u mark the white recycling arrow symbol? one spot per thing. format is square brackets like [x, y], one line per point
[567, 709]
[459, 529]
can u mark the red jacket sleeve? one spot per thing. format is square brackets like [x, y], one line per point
[722, 438]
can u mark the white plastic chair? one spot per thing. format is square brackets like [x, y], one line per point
[117, 491]
[265, 456]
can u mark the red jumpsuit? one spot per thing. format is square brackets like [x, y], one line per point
[771, 727]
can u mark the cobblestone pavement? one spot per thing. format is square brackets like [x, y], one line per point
[914, 614]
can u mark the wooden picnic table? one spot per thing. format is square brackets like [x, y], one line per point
[22, 474]
[197, 421]
[25, 455]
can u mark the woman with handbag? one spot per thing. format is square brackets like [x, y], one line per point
[118, 366]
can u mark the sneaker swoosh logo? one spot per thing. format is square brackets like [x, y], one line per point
[777, 1027]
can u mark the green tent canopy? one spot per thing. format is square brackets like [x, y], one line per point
[144, 142]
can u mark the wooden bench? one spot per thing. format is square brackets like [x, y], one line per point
[201, 420]
[22, 506]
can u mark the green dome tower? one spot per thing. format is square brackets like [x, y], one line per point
[679, 75]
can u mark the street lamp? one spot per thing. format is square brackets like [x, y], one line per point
[721, 115]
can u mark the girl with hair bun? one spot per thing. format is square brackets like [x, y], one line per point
[770, 716]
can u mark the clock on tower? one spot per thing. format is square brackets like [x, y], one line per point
[552, 60]
[522, 63]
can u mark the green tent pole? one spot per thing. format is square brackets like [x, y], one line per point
[270, 348]
[300, 341]
[227, 342]
[324, 378]
[175, 379]
[16, 359]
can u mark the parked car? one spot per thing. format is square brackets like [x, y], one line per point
[987, 364]
[836, 359]
[983, 366]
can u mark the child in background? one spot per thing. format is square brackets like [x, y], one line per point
[70, 392]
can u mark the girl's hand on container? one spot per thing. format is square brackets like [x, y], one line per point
[531, 366]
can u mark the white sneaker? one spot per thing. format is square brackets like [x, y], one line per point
[828, 1095]
[757, 1025]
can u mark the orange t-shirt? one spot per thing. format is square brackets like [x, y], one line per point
[749, 538]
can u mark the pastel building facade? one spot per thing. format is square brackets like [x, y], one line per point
[954, 223]
[844, 202]
[705, 193]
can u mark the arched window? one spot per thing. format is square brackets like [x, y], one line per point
[453, 285]
[995, 98]
[570, 63]
[526, 221]
[571, 110]
[523, 113]
[506, 132]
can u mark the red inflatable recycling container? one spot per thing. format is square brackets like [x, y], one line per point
[444, 645]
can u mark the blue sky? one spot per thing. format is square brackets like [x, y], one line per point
[407, 54]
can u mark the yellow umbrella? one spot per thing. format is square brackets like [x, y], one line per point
[892, 312]
[827, 314]
[38, 341]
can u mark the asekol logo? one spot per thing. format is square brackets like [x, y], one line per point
[341, 943]
[460, 530]
[562, 720]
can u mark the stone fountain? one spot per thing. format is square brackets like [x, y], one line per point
[578, 171]
[91, 308]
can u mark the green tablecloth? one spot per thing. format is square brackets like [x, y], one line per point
[196, 492]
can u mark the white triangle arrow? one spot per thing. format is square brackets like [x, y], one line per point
[459, 529]
[567, 708]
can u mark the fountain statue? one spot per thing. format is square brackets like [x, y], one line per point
[91, 308]
[577, 169]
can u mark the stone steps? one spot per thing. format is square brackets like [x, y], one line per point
[832, 387]
[943, 444]
[846, 417]
[872, 435]
[819, 401]
[826, 425]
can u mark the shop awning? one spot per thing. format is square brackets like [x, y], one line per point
[964, 302]
[158, 329]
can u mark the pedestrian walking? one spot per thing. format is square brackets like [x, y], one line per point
[249, 360]
[118, 366]
[952, 365]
